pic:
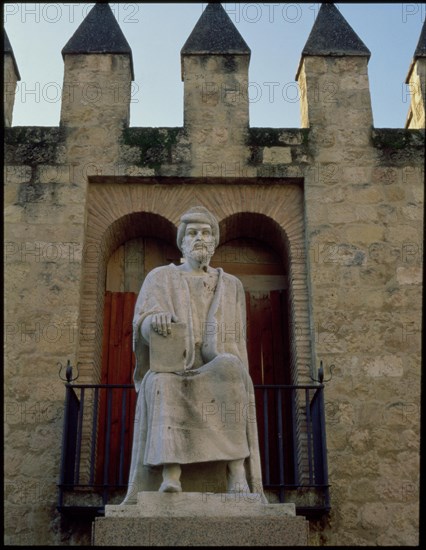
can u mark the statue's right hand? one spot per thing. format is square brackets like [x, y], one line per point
[162, 322]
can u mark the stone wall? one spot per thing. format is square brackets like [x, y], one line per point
[364, 203]
[364, 248]
[365, 264]
[347, 197]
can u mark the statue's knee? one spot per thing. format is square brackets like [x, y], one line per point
[231, 361]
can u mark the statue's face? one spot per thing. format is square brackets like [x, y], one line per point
[198, 242]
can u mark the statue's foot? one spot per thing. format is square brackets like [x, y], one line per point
[240, 486]
[237, 484]
[170, 486]
[236, 477]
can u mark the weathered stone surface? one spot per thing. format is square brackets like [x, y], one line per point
[196, 532]
[277, 155]
[151, 504]
[28, 145]
[332, 35]
[409, 275]
[215, 33]
[208, 519]
[99, 33]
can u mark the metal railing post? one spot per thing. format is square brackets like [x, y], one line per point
[309, 433]
[266, 434]
[64, 445]
[94, 431]
[324, 449]
[280, 443]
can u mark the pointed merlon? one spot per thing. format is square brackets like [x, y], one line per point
[99, 33]
[420, 51]
[7, 49]
[421, 45]
[215, 34]
[332, 35]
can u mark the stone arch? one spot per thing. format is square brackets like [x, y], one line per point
[96, 254]
[265, 229]
[117, 211]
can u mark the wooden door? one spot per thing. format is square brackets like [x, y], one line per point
[127, 267]
[117, 409]
[269, 361]
[262, 273]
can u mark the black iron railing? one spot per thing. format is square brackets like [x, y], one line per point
[97, 436]
[292, 438]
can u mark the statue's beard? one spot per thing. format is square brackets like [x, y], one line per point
[200, 252]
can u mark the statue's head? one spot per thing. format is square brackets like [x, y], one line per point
[197, 214]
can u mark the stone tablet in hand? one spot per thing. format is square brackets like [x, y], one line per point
[168, 353]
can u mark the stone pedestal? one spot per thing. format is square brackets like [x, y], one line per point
[200, 519]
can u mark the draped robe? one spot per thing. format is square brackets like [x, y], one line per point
[208, 414]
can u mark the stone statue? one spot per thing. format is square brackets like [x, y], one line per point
[199, 405]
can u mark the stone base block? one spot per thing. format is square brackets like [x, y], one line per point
[200, 519]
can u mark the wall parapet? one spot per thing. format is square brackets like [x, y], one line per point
[33, 144]
[396, 145]
[152, 147]
[272, 152]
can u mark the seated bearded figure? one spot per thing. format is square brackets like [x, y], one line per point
[179, 415]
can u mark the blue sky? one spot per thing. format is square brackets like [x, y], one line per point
[275, 32]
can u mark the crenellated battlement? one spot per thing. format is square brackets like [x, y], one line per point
[216, 138]
[332, 76]
[214, 36]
